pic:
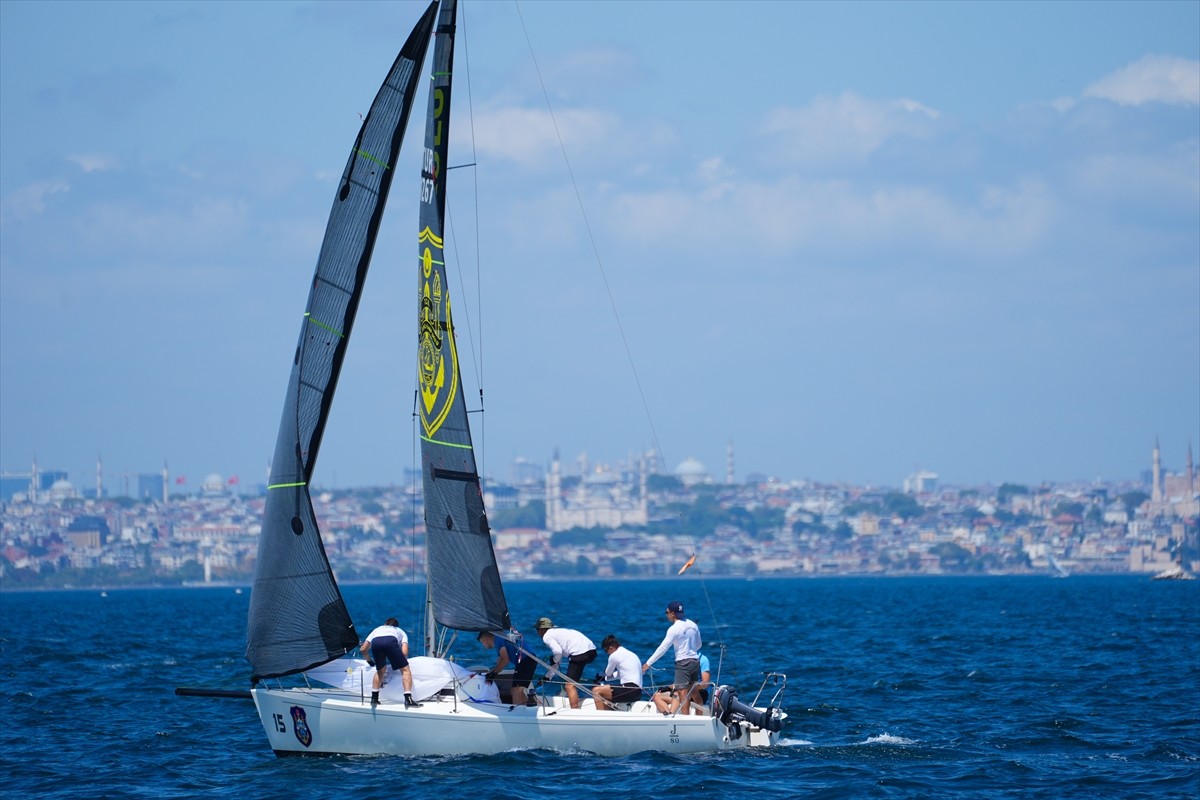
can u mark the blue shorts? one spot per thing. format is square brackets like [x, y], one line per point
[386, 649]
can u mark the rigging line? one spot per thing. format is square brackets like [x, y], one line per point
[591, 238]
[482, 470]
[416, 613]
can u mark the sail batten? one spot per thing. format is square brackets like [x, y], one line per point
[464, 580]
[297, 617]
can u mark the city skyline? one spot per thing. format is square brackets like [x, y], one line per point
[1151, 473]
[959, 237]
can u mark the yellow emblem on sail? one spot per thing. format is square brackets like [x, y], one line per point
[435, 339]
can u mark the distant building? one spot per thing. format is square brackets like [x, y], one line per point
[18, 483]
[691, 472]
[601, 499]
[921, 482]
[152, 486]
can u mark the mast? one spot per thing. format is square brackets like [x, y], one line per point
[297, 617]
[465, 592]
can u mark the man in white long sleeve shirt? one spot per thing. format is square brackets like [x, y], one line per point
[624, 670]
[570, 645]
[685, 636]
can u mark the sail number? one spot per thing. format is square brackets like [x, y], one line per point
[279, 724]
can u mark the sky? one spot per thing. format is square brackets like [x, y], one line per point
[853, 240]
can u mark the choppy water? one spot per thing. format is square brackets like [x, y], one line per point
[915, 687]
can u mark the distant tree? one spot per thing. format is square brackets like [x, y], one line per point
[584, 566]
[952, 556]
[1008, 491]
[1133, 500]
[578, 537]
[663, 483]
[902, 505]
[804, 525]
[619, 565]
[1073, 509]
[530, 515]
[742, 519]
[862, 507]
[190, 571]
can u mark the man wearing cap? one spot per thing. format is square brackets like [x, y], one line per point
[571, 645]
[685, 636]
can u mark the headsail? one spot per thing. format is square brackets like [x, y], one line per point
[464, 581]
[297, 616]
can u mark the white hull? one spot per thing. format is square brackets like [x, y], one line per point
[328, 721]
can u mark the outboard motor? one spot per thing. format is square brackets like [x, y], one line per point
[731, 711]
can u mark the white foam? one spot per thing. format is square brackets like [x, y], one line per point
[887, 738]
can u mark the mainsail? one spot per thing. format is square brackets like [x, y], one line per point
[464, 582]
[297, 616]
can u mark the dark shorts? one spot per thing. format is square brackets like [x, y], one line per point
[385, 650]
[523, 674]
[687, 672]
[626, 693]
[578, 662]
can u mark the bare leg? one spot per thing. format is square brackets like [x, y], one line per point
[518, 695]
[572, 695]
[406, 679]
[603, 697]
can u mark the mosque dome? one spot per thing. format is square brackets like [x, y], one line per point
[62, 489]
[213, 484]
[691, 471]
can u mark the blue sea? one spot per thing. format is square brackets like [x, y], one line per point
[988, 687]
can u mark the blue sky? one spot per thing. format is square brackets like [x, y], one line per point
[854, 239]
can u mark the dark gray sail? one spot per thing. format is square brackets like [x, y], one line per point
[464, 582]
[297, 616]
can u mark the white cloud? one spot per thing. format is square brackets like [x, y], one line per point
[531, 137]
[846, 128]
[93, 162]
[30, 201]
[802, 217]
[1153, 79]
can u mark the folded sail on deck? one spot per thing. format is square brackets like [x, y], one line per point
[464, 582]
[297, 616]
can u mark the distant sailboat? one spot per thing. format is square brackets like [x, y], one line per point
[298, 621]
[1175, 572]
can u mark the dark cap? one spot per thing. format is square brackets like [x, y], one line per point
[675, 606]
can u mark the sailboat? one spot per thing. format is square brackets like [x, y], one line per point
[299, 627]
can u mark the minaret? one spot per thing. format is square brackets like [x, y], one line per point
[33, 482]
[1156, 494]
[99, 477]
[729, 463]
[1191, 473]
[553, 487]
[165, 477]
